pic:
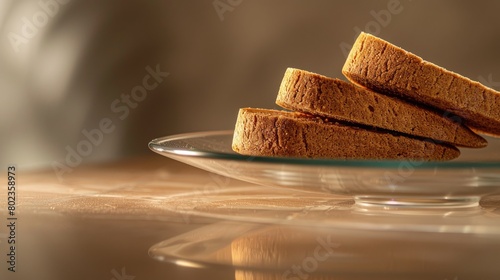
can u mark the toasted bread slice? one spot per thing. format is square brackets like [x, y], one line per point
[265, 132]
[386, 68]
[315, 94]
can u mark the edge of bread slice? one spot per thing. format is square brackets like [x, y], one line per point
[316, 94]
[267, 132]
[386, 68]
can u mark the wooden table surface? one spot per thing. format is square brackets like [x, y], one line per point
[100, 220]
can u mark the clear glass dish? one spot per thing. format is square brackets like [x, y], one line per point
[459, 183]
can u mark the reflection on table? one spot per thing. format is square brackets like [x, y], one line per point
[104, 218]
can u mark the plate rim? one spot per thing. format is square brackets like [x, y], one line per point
[157, 145]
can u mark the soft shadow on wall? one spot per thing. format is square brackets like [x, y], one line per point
[99, 79]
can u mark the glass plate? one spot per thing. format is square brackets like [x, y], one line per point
[460, 183]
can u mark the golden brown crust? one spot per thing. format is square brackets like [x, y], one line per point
[263, 132]
[383, 67]
[312, 93]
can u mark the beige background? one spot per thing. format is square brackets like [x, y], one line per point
[88, 53]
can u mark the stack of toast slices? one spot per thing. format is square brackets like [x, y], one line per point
[395, 107]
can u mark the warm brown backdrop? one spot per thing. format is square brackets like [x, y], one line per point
[84, 54]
